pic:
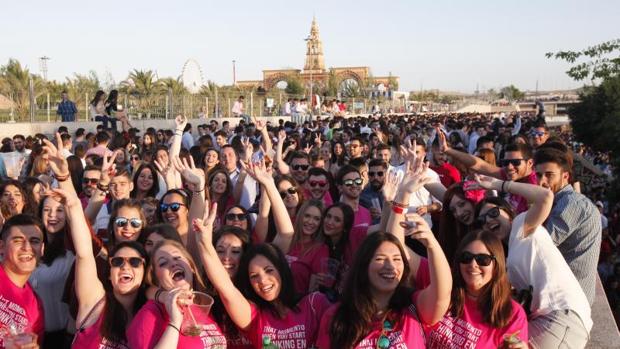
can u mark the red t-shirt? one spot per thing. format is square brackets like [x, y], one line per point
[470, 331]
[298, 330]
[407, 333]
[19, 307]
[327, 198]
[448, 174]
[150, 323]
[519, 203]
[90, 338]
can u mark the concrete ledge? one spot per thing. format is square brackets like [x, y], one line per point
[604, 334]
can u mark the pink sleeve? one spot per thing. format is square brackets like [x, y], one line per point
[254, 331]
[323, 341]
[518, 322]
[423, 276]
[144, 331]
[301, 276]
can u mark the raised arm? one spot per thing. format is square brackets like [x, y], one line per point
[98, 197]
[284, 226]
[262, 127]
[237, 306]
[539, 198]
[470, 161]
[282, 166]
[58, 163]
[262, 220]
[88, 288]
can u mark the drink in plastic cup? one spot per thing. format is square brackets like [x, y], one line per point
[329, 268]
[12, 163]
[196, 314]
[20, 340]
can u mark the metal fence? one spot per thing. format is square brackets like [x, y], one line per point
[42, 108]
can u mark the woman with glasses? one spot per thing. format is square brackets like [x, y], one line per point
[291, 194]
[126, 221]
[174, 210]
[159, 323]
[105, 307]
[145, 182]
[238, 216]
[262, 303]
[560, 315]
[482, 306]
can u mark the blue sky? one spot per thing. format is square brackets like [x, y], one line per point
[449, 45]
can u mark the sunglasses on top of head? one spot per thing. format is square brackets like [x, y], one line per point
[122, 222]
[289, 191]
[175, 206]
[351, 182]
[118, 262]
[482, 259]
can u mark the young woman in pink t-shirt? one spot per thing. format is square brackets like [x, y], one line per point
[482, 313]
[307, 227]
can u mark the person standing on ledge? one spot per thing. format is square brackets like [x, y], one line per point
[66, 108]
[238, 110]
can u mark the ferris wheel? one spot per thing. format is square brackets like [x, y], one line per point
[191, 76]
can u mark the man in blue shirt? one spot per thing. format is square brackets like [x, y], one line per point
[66, 108]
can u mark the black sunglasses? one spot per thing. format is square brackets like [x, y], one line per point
[482, 259]
[118, 262]
[236, 216]
[513, 162]
[492, 213]
[175, 206]
[378, 174]
[289, 191]
[122, 222]
[350, 182]
[300, 167]
[90, 180]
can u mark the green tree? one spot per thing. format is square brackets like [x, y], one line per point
[294, 86]
[14, 84]
[173, 84]
[602, 61]
[511, 93]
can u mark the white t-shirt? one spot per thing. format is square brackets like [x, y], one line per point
[422, 197]
[102, 219]
[536, 261]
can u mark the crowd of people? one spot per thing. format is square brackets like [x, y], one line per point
[380, 231]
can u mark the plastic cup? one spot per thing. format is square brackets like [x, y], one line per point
[329, 268]
[12, 164]
[196, 314]
[20, 340]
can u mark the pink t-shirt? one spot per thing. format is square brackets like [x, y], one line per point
[237, 341]
[150, 323]
[470, 331]
[423, 276]
[298, 330]
[407, 333]
[19, 307]
[519, 203]
[327, 198]
[90, 338]
[362, 220]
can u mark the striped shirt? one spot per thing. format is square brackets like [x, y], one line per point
[575, 227]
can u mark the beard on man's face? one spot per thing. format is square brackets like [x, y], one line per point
[376, 185]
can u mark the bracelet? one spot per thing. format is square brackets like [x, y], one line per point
[173, 326]
[398, 209]
[62, 178]
[504, 183]
[199, 191]
[398, 204]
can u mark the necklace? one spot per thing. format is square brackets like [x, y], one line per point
[387, 326]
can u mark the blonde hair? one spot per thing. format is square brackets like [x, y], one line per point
[151, 277]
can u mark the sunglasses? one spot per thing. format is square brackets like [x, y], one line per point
[236, 216]
[289, 191]
[492, 213]
[513, 162]
[90, 180]
[121, 222]
[300, 167]
[537, 133]
[482, 259]
[175, 206]
[350, 182]
[118, 262]
[321, 184]
[373, 174]
[135, 158]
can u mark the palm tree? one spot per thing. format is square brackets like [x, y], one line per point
[142, 85]
[14, 84]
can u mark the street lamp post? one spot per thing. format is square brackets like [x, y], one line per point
[234, 73]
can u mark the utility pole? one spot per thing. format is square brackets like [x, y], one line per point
[43, 66]
[234, 73]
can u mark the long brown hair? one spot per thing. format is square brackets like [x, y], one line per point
[451, 230]
[299, 222]
[151, 278]
[494, 302]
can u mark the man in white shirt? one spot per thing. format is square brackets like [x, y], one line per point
[67, 144]
[422, 202]
[229, 159]
[287, 107]
[238, 109]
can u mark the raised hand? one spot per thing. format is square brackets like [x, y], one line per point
[416, 227]
[204, 227]
[281, 136]
[317, 139]
[68, 198]
[258, 171]
[443, 143]
[308, 149]
[194, 177]
[249, 149]
[57, 161]
[108, 168]
[415, 177]
[260, 124]
[391, 186]
[484, 182]
[181, 122]
[168, 172]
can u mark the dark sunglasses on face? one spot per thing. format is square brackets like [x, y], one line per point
[122, 222]
[175, 206]
[118, 262]
[236, 216]
[321, 184]
[482, 259]
[492, 213]
[289, 191]
[373, 174]
[350, 182]
[300, 167]
[513, 162]
[90, 180]
[537, 133]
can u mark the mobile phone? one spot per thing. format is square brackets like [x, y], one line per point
[408, 226]
[258, 156]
